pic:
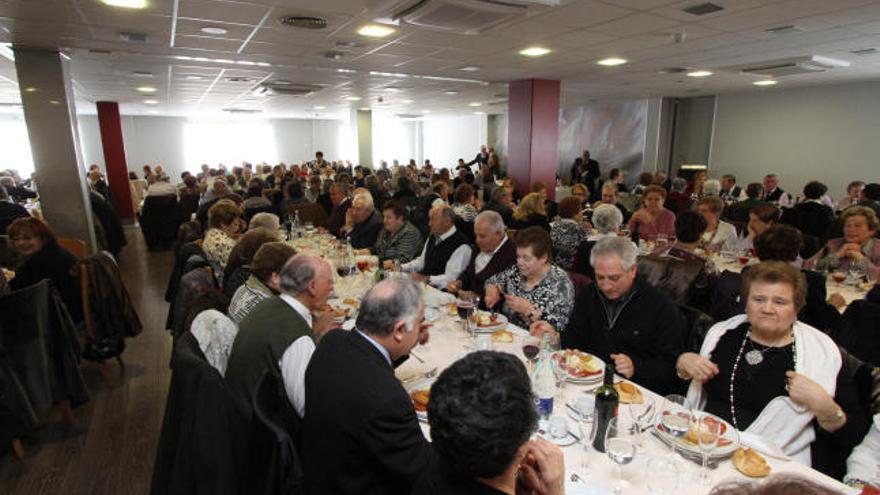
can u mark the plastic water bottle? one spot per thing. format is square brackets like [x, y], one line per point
[544, 381]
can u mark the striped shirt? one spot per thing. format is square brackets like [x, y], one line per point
[246, 298]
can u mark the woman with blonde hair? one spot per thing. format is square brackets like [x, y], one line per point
[531, 212]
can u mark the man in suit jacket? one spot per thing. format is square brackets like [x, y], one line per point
[482, 157]
[362, 223]
[591, 174]
[496, 253]
[730, 192]
[341, 204]
[279, 334]
[361, 432]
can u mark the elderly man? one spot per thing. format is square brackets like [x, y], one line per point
[446, 252]
[162, 187]
[496, 254]
[730, 192]
[279, 334]
[265, 279]
[341, 203]
[362, 222]
[361, 432]
[14, 190]
[773, 193]
[623, 320]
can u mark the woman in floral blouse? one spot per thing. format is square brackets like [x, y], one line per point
[225, 223]
[533, 289]
[567, 233]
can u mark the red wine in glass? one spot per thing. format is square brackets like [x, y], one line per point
[465, 308]
[343, 271]
[363, 265]
[530, 351]
[743, 260]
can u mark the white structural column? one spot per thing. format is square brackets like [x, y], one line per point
[47, 98]
[363, 121]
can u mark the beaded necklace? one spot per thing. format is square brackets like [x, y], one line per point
[739, 355]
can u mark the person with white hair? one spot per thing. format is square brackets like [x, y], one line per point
[279, 334]
[265, 220]
[446, 252]
[362, 222]
[162, 187]
[624, 320]
[495, 253]
[360, 431]
[712, 187]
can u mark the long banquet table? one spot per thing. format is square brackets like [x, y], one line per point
[449, 341]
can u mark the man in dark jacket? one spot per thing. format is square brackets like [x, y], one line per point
[495, 254]
[363, 224]
[624, 321]
[360, 431]
[341, 204]
[9, 211]
[810, 216]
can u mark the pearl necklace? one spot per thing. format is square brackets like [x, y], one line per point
[739, 355]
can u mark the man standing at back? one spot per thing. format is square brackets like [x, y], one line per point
[361, 435]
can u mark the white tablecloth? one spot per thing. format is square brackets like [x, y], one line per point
[447, 343]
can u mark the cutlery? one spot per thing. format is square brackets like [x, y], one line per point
[576, 479]
[413, 354]
[428, 374]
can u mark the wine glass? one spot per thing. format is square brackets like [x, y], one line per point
[642, 416]
[661, 243]
[531, 348]
[620, 448]
[676, 419]
[588, 437]
[856, 274]
[466, 306]
[708, 430]
[561, 374]
[663, 478]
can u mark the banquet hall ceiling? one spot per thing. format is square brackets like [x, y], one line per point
[415, 69]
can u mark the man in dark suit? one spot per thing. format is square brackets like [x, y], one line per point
[279, 334]
[591, 174]
[361, 434]
[482, 157]
[730, 192]
[362, 223]
[341, 204]
[496, 253]
[739, 212]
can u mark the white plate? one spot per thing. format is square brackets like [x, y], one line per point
[585, 487]
[598, 377]
[730, 433]
[562, 442]
[501, 323]
[431, 314]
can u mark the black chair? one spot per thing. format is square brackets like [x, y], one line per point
[684, 281]
[250, 212]
[696, 325]
[273, 467]
[859, 333]
[159, 221]
[189, 204]
[466, 228]
[198, 451]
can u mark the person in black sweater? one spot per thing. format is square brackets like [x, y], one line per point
[811, 217]
[44, 258]
[9, 211]
[482, 447]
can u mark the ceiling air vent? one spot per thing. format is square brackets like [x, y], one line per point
[463, 16]
[703, 9]
[674, 70]
[285, 88]
[792, 66]
[303, 22]
[864, 51]
[133, 37]
[333, 55]
[781, 30]
[242, 110]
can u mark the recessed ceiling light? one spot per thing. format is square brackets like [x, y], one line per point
[612, 61]
[264, 64]
[146, 89]
[151, 102]
[364, 109]
[475, 104]
[406, 102]
[214, 30]
[30, 89]
[425, 111]
[346, 71]
[126, 4]
[352, 98]
[479, 113]
[319, 107]
[469, 68]
[700, 73]
[376, 30]
[141, 73]
[245, 62]
[450, 92]
[193, 77]
[534, 51]
[765, 82]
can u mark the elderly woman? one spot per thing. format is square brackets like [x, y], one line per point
[224, 219]
[567, 233]
[531, 212]
[581, 192]
[606, 221]
[533, 289]
[399, 240]
[465, 203]
[264, 280]
[43, 258]
[653, 219]
[238, 264]
[678, 200]
[766, 373]
[712, 187]
[718, 233]
[857, 247]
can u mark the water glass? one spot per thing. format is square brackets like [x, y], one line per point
[662, 477]
[588, 437]
[642, 416]
[708, 430]
[620, 448]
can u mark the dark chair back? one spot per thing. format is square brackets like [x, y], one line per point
[859, 333]
[159, 220]
[189, 204]
[466, 228]
[250, 212]
[696, 325]
[673, 276]
[309, 212]
[274, 467]
[579, 281]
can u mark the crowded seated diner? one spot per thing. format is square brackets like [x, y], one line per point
[386, 248]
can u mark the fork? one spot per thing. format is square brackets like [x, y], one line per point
[428, 374]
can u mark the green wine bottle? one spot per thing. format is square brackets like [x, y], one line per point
[606, 408]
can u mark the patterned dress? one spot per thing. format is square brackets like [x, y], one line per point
[553, 295]
[567, 235]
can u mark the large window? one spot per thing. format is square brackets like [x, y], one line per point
[229, 143]
[15, 148]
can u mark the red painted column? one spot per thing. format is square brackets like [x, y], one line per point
[532, 133]
[114, 157]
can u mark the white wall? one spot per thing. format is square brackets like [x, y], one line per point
[446, 139]
[152, 140]
[826, 133]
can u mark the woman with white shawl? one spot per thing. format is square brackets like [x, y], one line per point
[766, 373]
